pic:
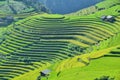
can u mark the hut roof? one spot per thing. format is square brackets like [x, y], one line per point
[109, 16]
[47, 71]
[103, 17]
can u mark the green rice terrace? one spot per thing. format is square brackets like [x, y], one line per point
[76, 46]
[61, 44]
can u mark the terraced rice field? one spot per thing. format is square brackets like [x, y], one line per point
[47, 38]
[114, 53]
[107, 65]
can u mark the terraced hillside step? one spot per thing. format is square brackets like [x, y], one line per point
[116, 51]
[49, 38]
[112, 55]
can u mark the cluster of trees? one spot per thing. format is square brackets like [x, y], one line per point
[105, 78]
[85, 11]
[36, 5]
[78, 49]
[75, 48]
[6, 20]
[26, 60]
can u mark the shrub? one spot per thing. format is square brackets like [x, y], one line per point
[105, 78]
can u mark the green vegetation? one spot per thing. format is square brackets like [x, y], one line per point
[95, 69]
[21, 6]
[69, 68]
[104, 78]
[72, 47]
[108, 3]
[34, 42]
[106, 7]
[20, 9]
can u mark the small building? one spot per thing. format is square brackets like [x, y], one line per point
[103, 18]
[45, 73]
[108, 18]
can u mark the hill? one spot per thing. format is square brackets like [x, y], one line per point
[106, 7]
[21, 6]
[27, 45]
[71, 47]
[65, 6]
[14, 10]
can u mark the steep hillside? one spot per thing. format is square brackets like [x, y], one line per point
[21, 6]
[14, 10]
[32, 44]
[65, 6]
[72, 47]
[102, 61]
[106, 7]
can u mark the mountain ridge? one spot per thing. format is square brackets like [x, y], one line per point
[67, 6]
[21, 6]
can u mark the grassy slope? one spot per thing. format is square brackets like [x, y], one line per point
[104, 50]
[92, 71]
[108, 3]
[109, 9]
[32, 75]
[97, 68]
[71, 69]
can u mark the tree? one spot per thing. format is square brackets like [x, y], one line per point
[105, 78]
